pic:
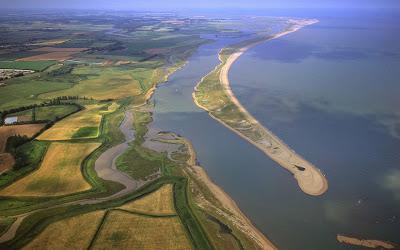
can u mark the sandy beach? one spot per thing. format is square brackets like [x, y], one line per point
[237, 217]
[379, 244]
[310, 179]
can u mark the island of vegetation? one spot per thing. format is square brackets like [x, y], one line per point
[213, 94]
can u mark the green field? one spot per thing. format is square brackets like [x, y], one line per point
[36, 65]
[85, 132]
[46, 113]
[24, 92]
[54, 112]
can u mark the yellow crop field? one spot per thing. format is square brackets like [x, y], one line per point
[71, 233]
[123, 230]
[59, 174]
[158, 202]
[26, 129]
[84, 124]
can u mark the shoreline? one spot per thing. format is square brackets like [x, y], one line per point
[379, 244]
[310, 180]
[243, 223]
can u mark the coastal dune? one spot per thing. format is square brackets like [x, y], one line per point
[310, 179]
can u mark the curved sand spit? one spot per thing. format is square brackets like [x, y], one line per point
[309, 178]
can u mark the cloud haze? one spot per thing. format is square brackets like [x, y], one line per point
[197, 4]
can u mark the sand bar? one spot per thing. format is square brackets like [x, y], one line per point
[310, 179]
[379, 244]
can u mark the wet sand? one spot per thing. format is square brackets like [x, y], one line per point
[310, 179]
[379, 244]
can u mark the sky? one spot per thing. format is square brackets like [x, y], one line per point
[194, 4]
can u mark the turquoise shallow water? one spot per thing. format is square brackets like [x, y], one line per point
[330, 92]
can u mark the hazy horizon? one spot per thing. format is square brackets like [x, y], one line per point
[172, 5]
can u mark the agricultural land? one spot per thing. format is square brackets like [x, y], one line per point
[82, 167]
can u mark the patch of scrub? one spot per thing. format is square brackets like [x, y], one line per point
[139, 163]
[26, 129]
[86, 132]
